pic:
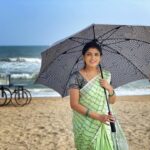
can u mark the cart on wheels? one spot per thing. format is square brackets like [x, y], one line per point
[16, 94]
[5, 95]
[21, 96]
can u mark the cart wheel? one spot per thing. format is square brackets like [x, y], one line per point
[3, 98]
[21, 98]
[9, 96]
[29, 96]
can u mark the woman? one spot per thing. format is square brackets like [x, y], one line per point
[87, 99]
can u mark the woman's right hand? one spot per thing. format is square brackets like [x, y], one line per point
[105, 118]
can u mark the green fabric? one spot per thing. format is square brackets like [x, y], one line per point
[90, 134]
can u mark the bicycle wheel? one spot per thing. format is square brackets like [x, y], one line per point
[9, 96]
[13, 101]
[29, 96]
[3, 98]
[21, 97]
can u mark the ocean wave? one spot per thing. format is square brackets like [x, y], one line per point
[24, 76]
[47, 92]
[132, 91]
[21, 59]
[44, 93]
[31, 65]
[19, 76]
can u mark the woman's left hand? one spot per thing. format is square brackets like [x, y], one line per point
[109, 88]
[105, 84]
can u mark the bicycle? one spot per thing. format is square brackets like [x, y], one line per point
[21, 96]
[5, 95]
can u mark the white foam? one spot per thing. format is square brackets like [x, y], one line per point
[125, 92]
[46, 92]
[20, 67]
[23, 76]
[24, 59]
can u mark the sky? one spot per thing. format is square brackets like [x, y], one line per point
[43, 22]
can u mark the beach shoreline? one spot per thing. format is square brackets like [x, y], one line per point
[46, 123]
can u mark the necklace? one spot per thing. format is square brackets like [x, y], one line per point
[89, 77]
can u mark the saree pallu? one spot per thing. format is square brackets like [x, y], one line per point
[91, 134]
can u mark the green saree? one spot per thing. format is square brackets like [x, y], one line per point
[90, 134]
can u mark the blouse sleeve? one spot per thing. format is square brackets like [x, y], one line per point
[73, 81]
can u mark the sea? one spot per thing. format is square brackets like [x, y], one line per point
[23, 64]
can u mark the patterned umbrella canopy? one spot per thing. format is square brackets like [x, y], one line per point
[126, 54]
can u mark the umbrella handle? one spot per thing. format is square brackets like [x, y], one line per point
[112, 124]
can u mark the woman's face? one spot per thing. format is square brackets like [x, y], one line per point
[92, 57]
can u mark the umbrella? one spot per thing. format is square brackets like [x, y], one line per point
[126, 54]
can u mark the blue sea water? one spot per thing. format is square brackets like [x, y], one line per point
[23, 64]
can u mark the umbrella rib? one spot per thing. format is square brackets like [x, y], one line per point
[79, 38]
[127, 39]
[110, 35]
[73, 52]
[110, 31]
[109, 51]
[76, 41]
[93, 32]
[127, 59]
[65, 52]
[70, 74]
[115, 42]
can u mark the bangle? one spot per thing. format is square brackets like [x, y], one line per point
[112, 93]
[87, 112]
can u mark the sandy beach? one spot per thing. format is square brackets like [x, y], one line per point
[45, 124]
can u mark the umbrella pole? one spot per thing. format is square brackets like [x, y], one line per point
[112, 124]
